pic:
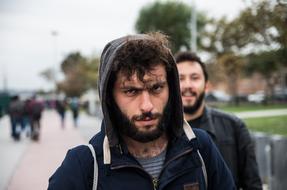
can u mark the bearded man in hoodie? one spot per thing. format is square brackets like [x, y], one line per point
[144, 142]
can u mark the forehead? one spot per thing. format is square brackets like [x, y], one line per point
[157, 73]
[189, 67]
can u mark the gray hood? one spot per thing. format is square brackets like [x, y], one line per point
[106, 63]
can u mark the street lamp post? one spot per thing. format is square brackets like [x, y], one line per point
[193, 27]
[55, 34]
[5, 81]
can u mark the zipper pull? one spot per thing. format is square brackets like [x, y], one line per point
[120, 148]
[155, 183]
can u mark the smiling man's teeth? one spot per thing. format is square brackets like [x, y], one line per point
[188, 94]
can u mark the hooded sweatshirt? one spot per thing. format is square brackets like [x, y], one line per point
[118, 169]
[107, 61]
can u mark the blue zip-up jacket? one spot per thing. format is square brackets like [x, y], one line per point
[119, 170]
[182, 168]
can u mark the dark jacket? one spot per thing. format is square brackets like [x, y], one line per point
[118, 169]
[235, 144]
[182, 168]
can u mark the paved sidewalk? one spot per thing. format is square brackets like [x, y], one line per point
[262, 113]
[10, 152]
[40, 159]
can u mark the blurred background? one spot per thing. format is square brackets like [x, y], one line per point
[50, 51]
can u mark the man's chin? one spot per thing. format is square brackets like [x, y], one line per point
[146, 129]
[147, 136]
[190, 109]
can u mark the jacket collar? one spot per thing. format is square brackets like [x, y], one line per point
[176, 146]
[206, 122]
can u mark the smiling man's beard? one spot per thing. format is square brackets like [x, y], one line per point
[128, 128]
[193, 109]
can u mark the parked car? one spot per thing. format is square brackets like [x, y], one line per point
[280, 95]
[257, 97]
[217, 96]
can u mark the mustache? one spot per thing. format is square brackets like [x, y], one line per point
[188, 91]
[146, 116]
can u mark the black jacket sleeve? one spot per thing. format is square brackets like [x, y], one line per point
[248, 173]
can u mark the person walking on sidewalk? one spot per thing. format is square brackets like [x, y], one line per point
[145, 143]
[61, 109]
[228, 132]
[75, 108]
[16, 111]
[36, 108]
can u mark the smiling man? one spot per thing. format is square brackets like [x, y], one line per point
[144, 143]
[228, 132]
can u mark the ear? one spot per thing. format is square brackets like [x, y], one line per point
[208, 87]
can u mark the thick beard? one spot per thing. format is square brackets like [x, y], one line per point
[193, 109]
[127, 127]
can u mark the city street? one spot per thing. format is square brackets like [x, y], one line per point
[27, 164]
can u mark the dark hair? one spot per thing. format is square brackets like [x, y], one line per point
[141, 55]
[189, 56]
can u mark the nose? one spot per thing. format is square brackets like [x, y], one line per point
[186, 83]
[146, 104]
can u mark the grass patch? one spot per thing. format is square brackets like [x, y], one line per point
[251, 107]
[270, 125]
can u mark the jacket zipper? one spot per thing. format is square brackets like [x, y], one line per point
[155, 182]
[174, 158]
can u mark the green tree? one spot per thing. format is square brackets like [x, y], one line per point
[80, 74]
[74, 83]
[232, 66]
[225, 42]
[172, 18]
[91, 73]
[49, 74]
[258, 33]
[265, 63]
[266, 24]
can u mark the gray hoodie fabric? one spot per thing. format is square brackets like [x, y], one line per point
[107, 61]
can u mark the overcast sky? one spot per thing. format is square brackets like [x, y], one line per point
[28, 47]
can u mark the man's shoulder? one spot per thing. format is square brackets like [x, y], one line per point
[202, 136]
[82, 152]
[219, 114]
[97, 141]
[200, 133]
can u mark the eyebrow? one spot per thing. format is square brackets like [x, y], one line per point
[148, 85]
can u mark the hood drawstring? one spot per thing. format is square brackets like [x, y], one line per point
[107, 152]
[188, 131]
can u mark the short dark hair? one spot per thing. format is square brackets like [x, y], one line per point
[190, 56]
[140, 56]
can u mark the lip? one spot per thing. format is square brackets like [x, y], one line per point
[147, 122]
[188, 97]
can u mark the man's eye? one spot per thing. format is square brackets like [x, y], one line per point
[194, 78]
[181, 78]
[157, 88]
[131, 92]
